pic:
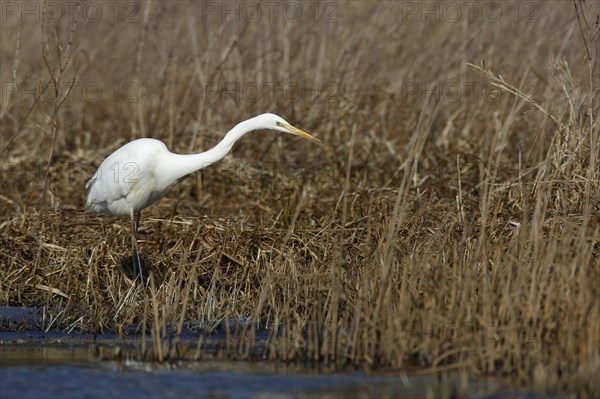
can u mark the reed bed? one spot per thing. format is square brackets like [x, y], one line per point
[450, 221]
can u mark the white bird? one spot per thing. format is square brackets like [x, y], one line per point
[138, 174]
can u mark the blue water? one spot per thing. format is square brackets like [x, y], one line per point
[68, 371]
[110, 381]
[59, 370]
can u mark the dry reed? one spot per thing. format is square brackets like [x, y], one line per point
[450, 222]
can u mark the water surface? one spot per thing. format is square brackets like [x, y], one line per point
[32, 369]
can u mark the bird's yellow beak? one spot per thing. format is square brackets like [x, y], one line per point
[301, 133]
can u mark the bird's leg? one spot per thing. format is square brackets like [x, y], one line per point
[137, 221]
[137, 264]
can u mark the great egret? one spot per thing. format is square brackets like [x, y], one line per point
[138, 174]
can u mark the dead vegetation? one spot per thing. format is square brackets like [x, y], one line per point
[451, 221]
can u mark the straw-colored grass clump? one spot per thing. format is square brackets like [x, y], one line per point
[450, 222]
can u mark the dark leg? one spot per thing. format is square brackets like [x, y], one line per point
[137, 221]
[137, 264]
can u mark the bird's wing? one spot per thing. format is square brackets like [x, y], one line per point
[120, 176]
[90, 182]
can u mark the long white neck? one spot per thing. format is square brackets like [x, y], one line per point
[180, 165]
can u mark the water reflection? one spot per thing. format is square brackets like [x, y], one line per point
[72, 371]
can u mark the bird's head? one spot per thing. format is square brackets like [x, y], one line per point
[276, 122]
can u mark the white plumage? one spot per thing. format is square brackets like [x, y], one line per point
[137, 175]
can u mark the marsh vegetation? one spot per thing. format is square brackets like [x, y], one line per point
[450, 221]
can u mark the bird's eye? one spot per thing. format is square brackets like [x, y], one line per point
[278, 123]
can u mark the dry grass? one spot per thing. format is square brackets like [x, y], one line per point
[456, 230]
